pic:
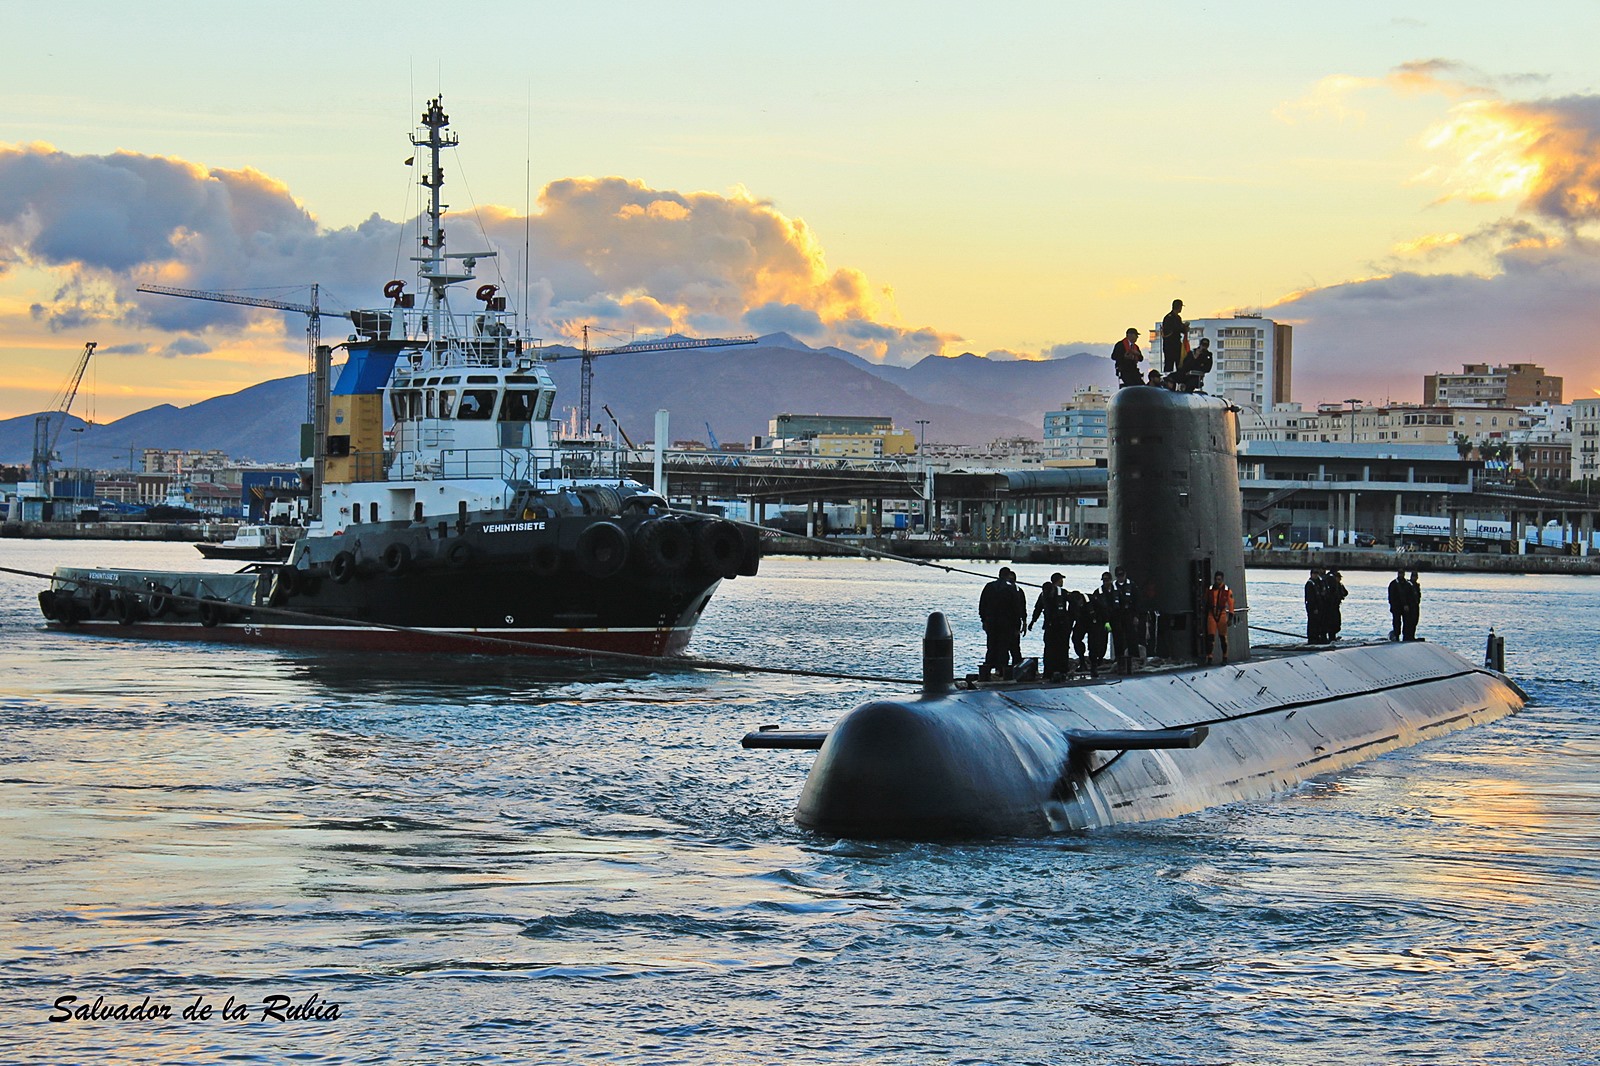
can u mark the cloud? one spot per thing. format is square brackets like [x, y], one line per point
[785, 318]
[1543, 155]
[1387, 332]
[1525, 282]
[605, 251]
[1063, 351]
[1332, 98]
[698, 262]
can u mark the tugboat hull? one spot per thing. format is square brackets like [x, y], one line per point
[493, 588]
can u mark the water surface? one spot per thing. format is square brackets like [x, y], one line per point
[509, 861]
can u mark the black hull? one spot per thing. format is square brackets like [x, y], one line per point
[244, 555]
[563, 643]
[550, 587]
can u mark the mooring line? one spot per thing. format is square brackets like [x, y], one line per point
[565, 650]
[836, 545]
[874, 553]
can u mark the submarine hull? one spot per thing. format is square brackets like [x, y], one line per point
[1025, 761]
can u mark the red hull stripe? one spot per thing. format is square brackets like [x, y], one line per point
[653, 642]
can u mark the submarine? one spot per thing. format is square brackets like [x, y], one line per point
[975, 760]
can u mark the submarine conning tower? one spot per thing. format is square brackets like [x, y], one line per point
[1174, 513]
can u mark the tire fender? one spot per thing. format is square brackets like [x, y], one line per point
[719, 547]
[602, 549]
[397, 558]
[343, 567]
[663, 546]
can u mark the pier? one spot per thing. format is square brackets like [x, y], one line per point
[171, 531]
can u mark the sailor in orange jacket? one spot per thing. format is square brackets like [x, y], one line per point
[1218, 614]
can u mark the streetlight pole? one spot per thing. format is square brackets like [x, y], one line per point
[1350, 520]
[927, 479]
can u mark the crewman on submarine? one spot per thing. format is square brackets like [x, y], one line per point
[1003, 609]
[1219, 615]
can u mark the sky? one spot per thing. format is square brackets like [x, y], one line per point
[1413, 186]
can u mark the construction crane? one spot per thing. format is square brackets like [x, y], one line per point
[313, 312]
[586, 372]
[44, 438]
[711, 439]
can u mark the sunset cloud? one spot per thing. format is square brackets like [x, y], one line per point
[1522, 286]
[1543, 155]
[1539, 306]
[605, 251]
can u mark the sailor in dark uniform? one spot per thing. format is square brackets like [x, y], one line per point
[1003, 610]
[1334, 593]
[1052, 606]
[1124, 627]
[1081, 617]
[1099, 623]
[1316, 608]
[1413, 608]
[1399, 600]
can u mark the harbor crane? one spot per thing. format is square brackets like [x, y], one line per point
[45, 438]
[586, 372]
[313, 312]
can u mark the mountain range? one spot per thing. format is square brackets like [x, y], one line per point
[736, 391]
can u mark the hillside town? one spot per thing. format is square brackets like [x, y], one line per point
[1487, 448]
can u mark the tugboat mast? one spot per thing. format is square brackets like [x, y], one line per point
[435, 263]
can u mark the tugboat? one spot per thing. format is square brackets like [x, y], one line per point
[476, 530]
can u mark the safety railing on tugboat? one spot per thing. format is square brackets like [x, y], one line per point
[511, 464]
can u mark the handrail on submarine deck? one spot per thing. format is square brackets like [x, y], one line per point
[938, 679]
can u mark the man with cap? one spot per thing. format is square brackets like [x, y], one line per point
[1003, 610]
[1173, 335]
[1124, 621]
[1053, 607]
[1126, 357]
[1316, 608]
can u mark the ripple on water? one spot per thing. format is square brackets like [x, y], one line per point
[547, 863]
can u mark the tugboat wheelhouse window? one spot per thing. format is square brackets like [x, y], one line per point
[518, 405]
[476, 404]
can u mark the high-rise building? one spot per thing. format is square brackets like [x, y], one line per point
[1078, 430]
[1586, 439]
[1516, 385]
[1253, 358]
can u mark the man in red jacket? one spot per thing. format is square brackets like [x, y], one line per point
[1126, 357]
[1219, 615]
